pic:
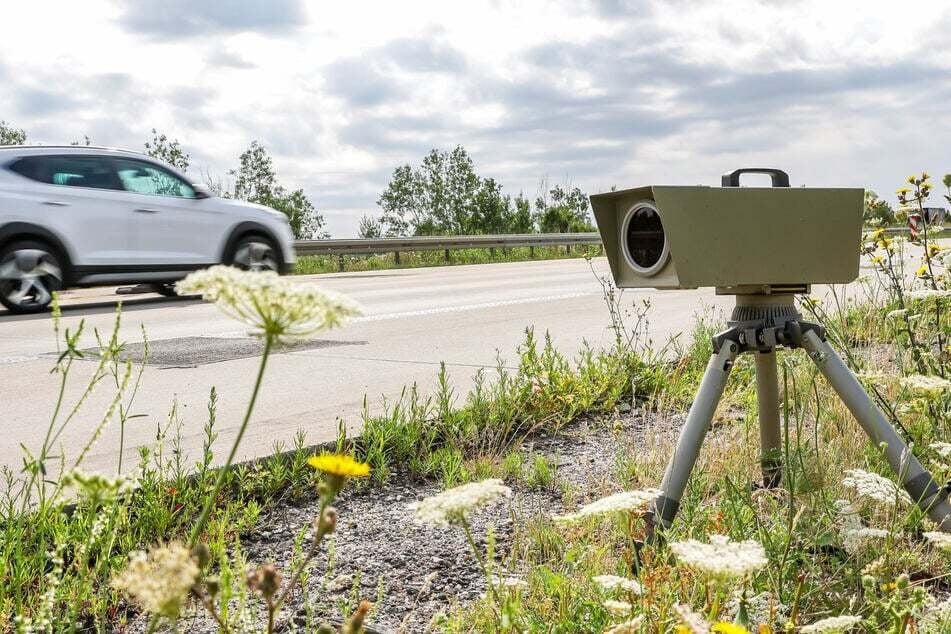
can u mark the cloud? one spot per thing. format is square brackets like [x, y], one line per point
[221, 58]
[425, 55]
[185, 18]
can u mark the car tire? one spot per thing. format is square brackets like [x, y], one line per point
[30, 272]
[165, 290]
[255, 253]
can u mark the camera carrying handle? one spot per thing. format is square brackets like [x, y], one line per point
[732, 179]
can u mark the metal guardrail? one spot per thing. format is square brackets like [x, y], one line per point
[360, 246]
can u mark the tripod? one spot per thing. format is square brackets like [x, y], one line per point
[759, 324]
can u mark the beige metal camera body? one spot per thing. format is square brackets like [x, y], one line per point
[739, 238]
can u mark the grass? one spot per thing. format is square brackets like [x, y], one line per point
[60, 552]
[312, 264]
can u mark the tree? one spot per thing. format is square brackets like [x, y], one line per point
[445, 196]
[877, 211]
[10, 135]
[256, 181]
[370, 227]
[562, 209]
[165, 150]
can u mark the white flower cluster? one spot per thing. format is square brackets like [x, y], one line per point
[693, 622]
[270, 305]
[925, 385]
[97, 487]
[626, 501]
[618, 608]
[871, 486]
[614, 582]
[454, 505]
[831, 625]
[941, 541]
[943, 448]
[897, 314]
[760, 608]
[630, 626]
[721, 558]
[854, 539]
[160, 580]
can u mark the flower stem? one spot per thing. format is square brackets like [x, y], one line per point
[223, 473]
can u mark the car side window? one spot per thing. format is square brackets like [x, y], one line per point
[73, 171]
[145, 178]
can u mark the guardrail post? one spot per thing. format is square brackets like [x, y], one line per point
[340, 263]
[531, 252]
[568, 249]
[447, 254]
[396, 257]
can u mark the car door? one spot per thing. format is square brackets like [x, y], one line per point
[78, 197]
[170, 226]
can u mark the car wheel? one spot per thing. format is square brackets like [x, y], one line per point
[166, 290]
[29, 274]
[256, 253]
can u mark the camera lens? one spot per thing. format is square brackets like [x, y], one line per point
[644, 240]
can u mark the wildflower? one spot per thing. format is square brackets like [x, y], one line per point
[760, 608]
[273, 307]
[690, 621]
[96, 487]
[874, 487]
[934, 249]
[340, 465]
[722, 627]
[511, 583]
[922, 271]
[897, 314]
[925, 385]
[625, 501]
[160, 580]
[630, 626]
[832, 625]
[721, 558]
[853, 539]
[454, 505]
[943, 448]
[939, 540]
[266, 580]
[618, 608]
[877, 259]
[613, 582]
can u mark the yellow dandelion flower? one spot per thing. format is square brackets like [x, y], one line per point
[722, 627]
[340, 465]
[877, 259]
[934, 249]
[922, 270]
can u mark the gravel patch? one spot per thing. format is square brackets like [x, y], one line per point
[412, 572]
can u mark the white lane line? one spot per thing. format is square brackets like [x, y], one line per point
[464, 307]
[16, 359]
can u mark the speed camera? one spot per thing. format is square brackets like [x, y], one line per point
[662, 236]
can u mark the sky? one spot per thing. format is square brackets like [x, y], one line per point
[595, 93]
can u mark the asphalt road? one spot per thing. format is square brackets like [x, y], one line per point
[413, 319]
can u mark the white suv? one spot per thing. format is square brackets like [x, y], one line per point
[84, 216]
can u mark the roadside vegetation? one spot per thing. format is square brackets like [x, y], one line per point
[310, 264]
[837, 546]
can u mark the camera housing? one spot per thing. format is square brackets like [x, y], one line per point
[738, 239]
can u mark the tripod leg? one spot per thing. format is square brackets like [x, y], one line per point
[913, 476]
[767, 402]
[692, 435]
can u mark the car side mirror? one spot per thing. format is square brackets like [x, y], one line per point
[202, 191]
